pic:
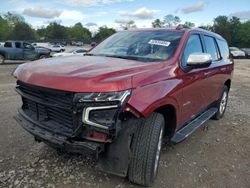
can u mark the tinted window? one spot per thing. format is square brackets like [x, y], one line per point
[143, 46]
[18, 44]
[8, 45]
[224, 50]
[211, 47]
[193, 46]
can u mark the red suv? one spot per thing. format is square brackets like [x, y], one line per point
[128, 95]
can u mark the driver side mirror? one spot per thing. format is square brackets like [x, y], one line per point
[199, 60]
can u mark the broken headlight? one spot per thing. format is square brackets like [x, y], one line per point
[102, 115]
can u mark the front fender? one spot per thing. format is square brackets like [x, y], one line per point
[148, 98]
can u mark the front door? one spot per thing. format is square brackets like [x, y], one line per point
[29, 52]
[194, 83]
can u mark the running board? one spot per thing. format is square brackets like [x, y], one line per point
[184, 132]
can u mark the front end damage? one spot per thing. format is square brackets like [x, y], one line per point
[92, 124]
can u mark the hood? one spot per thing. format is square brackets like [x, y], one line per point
[83, 74]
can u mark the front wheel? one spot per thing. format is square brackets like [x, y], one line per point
[222, 104]
[2, 59]
[145, 150]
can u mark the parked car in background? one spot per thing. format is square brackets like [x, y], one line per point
[79, 43]
[21, 50]
[57, 48]
[237, 53]
[79, 52]
[247, 51]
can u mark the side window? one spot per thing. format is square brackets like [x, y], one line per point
[18, 44]
[27, 45]
[193, 46]
[224, 50]
[8, 45]
[211, 48]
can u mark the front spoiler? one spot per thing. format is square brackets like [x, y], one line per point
[87, 148]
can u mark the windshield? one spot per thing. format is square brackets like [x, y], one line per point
[146, 46]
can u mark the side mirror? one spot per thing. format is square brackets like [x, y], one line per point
[199, 60]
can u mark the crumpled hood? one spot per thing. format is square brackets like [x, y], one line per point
[83, 74]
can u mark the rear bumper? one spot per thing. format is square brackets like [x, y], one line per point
[87, 148]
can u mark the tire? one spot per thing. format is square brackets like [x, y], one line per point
[222, 104]
[42, 57]
[145, 150]
[2, 59]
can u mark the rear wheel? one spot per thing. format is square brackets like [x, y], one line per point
[2, 59]
[222, 104]
[145, 150]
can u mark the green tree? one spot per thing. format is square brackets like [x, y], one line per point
[41, 33]
[243, 34]
[222, 27]
[157, 23]
[207, 27]
[78, 32]
[171, 20]
[5, 29]
[234, 27]
[188, 25]
[56, 31]
[103, 33]
[22, 31]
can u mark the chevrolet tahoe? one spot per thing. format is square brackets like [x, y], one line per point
[127, 96]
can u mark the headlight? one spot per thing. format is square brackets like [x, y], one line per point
[102, 115]
[120, 96]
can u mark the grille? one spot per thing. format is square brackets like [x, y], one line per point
[52, 108]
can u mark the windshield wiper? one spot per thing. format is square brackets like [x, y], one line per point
[122, 57]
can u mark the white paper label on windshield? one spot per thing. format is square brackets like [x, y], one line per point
[159, 42]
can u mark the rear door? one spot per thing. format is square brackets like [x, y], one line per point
[18, 51]
[213, 77]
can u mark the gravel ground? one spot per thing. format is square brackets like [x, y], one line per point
[217, 155]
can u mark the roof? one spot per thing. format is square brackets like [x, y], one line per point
[180, 29]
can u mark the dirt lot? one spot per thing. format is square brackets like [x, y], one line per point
[217, 155]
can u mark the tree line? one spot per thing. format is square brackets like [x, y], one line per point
[236, 33]
[14, 27]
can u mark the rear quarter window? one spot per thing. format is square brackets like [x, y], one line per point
[224, 49]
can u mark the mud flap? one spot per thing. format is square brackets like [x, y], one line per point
[115, 160]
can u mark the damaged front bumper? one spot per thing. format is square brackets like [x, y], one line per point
[87, 148]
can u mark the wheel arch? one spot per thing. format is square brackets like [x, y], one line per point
[228, 84]
[169, 113]
[2, 54]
